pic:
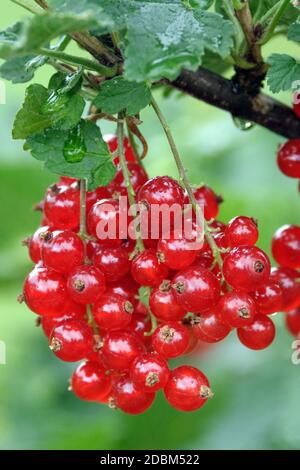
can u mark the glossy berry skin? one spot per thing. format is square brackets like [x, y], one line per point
[207, 200]
[268, 298]
[187, 389]
[126, 397]
[161, 190]
[138, 177]
[292, 321]
[119, 350]
[170, 340]
[241, 231]
[259, 335]
[149, 372]
[71, 311]
[286, 246]
[72, 341]
[288, 158]
[210, 328]
[105, 214]
[45, 291]
[112, 312]
[176, 252]
[86, 284]
[246, 268]
[62, 251]
[36, 242]
[163, 305]
[147, 270]
[91, 382]
[127, 287]
[113, 262]
[139, 325]
[237, 309]
[112, 142]
[287, 279]
[196, 289]
[62, 206]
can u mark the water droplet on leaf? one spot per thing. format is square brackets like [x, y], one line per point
[74, 149]
[242, 124]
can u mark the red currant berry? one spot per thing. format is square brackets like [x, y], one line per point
[126, 287]
[35, 243]
[86, 284]
[296, 104]
[91, 382]
[259, 335]
[138, 177]
[246, 268]
[112, 142]
[176, 252]
[149, 372]
[161, 190]
[119, 349]
[237, 309]
[62, 250]
[45, 291]
[196, 289]
[210, 329]
[288, 158]
[141, 326]
[103, 222]
[287, 278]
[113, 262]
[66, 180]
[187, 389]
[147, 270]
[286, 246]
[71, 311]
[112, 312]
[292, 321]
[163, 305]
[207, 200]
[170, 340]
[62, 206]
[268, 298]
[241, 231]
[72, 341]
[126, 397]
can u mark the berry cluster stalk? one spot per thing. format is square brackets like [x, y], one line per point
[184, 180]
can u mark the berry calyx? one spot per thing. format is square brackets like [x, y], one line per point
[163, 305]
[259, 335]
[170, 340]
[86, 284]
[36, 241]
[147, 270]
[149, 372]
[237, 309]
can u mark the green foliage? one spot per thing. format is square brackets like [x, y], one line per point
[284, 71]
[118, 94]
[21, 69]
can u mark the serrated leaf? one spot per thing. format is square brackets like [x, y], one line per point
[205, 4]
[96, 166]
[283, 73]
[119, 94]
[21, 69]
[294, 31]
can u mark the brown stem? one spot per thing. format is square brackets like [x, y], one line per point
[245, 18]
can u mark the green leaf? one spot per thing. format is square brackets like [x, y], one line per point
[260, 7]
[283, 73]
[28, 37]
[118, 94]
[96, 166]
[21, 69]
[294, 31]
[164, 38]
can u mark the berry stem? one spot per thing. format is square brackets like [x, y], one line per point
[126, 175]
[134, 146]
[28, 6]
[185, 182]
[82, 227]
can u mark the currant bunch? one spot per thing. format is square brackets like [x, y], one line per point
[126, 309]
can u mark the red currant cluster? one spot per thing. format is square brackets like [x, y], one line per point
[126, 311]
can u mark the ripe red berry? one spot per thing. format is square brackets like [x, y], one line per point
[259, 335]
[91, 382]
[170, 340]
[45, 291]
[176, 252]
[268, 298]
[163, 305]
[147, 270]
[62, 250]
[296, 104]
[72, 341]
[35, 243]
[288, 158]
[287, 278]
[62, 206]
[113, 262]
[286, 246]
[127, 287]
[207, 200]
[161, 190]
[140, 325]
[126, 397]
[119, 350]
[237, 309]
[187, 389]
[196, 289]
[246, 268]
[292, 321]
[149, 372]
[138, 177]
[210, 328]
[112, 312]
[241, 231]
[112, 142]
[103, 222]
[86, 284]
[71, 311]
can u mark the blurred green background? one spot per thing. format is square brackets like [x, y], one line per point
[256, 402]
